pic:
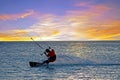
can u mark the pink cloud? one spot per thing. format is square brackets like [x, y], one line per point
[16, 16]
[91, 11]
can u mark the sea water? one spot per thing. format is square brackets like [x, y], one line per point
[76, 60]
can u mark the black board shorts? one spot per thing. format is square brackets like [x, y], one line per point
[52, 59]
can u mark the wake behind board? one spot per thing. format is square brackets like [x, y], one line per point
[35, 64]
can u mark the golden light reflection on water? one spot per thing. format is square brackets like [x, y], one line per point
[79, 49]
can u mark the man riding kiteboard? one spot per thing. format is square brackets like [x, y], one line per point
[50, 53]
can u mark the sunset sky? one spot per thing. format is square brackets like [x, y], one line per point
[59, 20]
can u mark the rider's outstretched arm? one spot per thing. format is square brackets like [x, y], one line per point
[45, 54]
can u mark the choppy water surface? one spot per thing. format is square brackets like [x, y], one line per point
[75, 61]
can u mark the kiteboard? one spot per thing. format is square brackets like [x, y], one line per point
[35, 64]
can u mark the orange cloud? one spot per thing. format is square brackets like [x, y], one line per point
[16, 16]
[91, 11]
[14, 35]
[90, 5]
[15, 39]
[104, 32]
